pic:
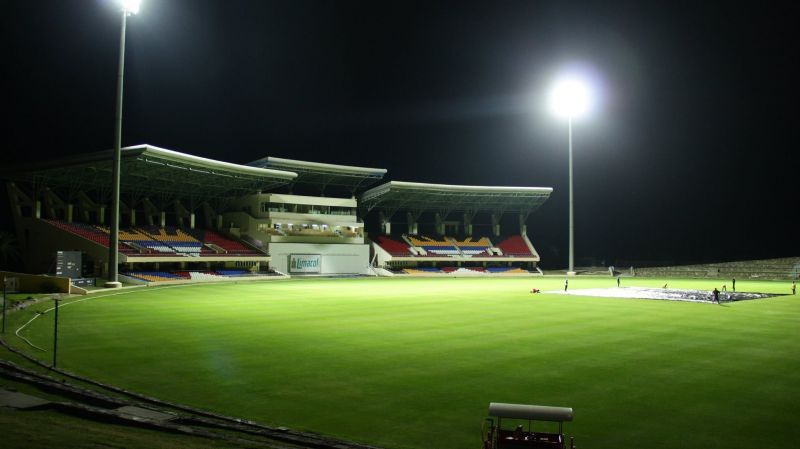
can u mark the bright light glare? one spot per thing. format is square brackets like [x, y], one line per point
[571, 98]
[131, 6]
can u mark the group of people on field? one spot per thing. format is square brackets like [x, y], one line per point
[715, 292]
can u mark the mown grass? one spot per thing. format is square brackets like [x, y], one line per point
[414, 363]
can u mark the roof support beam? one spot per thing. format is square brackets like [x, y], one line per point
[53, 204]
[150, 211]
[18, 199]
[496, 223]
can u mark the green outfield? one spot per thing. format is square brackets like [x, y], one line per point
[414, 363]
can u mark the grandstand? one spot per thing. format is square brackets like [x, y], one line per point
[187, 218]
[453, 247]
[63, 205]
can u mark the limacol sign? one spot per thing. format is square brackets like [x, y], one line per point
[304, 263]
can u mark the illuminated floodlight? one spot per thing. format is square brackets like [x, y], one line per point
[571, 97]
[131, 6]
[127, 7]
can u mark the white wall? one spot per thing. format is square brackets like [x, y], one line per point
[336, 259]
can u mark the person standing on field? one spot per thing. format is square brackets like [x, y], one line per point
[794, 286]
[733, 284]
[566, 284]
[617, 281]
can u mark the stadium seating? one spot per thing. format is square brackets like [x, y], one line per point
[135, 236]
[506, 270]
[230, 246]
[160, 276]
[433, 246]
[515, 246]
[393, 247]
[464, 271]
[470, 247]
[90, 232]
[179, 241]
[154, 276]
[156, 241]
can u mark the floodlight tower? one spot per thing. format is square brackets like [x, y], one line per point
[570, 98]
[127, 7]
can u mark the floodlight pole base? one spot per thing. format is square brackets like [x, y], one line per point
[571, 273]
[113, 285]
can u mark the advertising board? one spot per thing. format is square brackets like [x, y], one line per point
[304, 263]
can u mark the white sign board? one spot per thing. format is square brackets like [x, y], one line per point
[304, 263]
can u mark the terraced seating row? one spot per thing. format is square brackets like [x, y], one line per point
[157, 241]
[176, 239]
[90, 232]
[160, 276]
[514, 246]
[229, 245]
[134, 236]
[433, 246]
[393, 247]
[464, 271]
[478, 247]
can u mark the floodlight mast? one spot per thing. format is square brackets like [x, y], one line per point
[571, 267]
[127, 7]
[570, 98]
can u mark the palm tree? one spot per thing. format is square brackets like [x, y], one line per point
[9, 250]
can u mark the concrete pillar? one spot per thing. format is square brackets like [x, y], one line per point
[523, 228]
[101, 215]
[439, 224]
[386, 225]
[467, 224]
[69, 213]
[37, 209]
[412, 223]
[496, 225]
[191, 220]
[219, 221]
[133, 217]
[162, 219]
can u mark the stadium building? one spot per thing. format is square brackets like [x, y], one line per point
[184, 217]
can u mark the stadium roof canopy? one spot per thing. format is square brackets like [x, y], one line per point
[420, 197]
[322, 176]
[149, 169]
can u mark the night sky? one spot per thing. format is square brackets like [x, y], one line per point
[691, 156]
